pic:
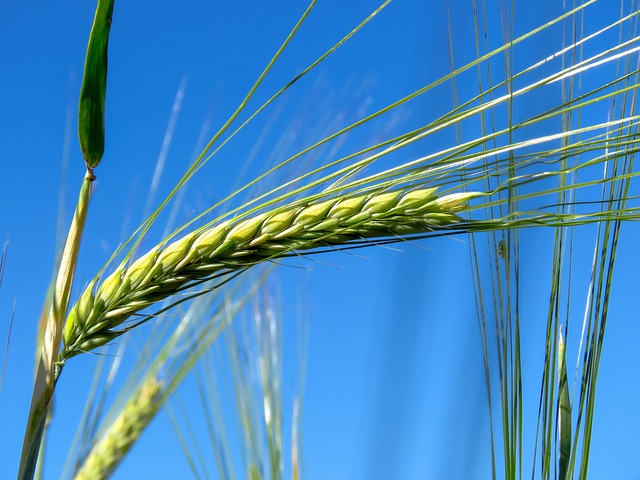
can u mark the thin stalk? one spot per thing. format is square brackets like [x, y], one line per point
[48, 371]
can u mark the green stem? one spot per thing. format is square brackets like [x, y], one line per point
[46, 376]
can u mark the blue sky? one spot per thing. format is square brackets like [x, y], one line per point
[394, 385]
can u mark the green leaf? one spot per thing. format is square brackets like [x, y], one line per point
[564, 413]
[94, 86]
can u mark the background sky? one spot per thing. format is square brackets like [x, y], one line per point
[394, 382]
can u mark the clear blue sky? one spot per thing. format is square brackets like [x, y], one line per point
[394, 385]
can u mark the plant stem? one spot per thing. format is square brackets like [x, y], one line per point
[46, 375]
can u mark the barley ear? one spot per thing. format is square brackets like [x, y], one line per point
[113, 446]
[235, 245]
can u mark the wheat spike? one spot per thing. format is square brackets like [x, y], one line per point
[105, 455]
[234, 245]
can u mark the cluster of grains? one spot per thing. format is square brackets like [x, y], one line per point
[105, 455]
[238, 244]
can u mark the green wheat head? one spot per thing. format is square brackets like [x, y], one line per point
[235, 245]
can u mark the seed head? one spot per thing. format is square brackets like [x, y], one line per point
[237, 244]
